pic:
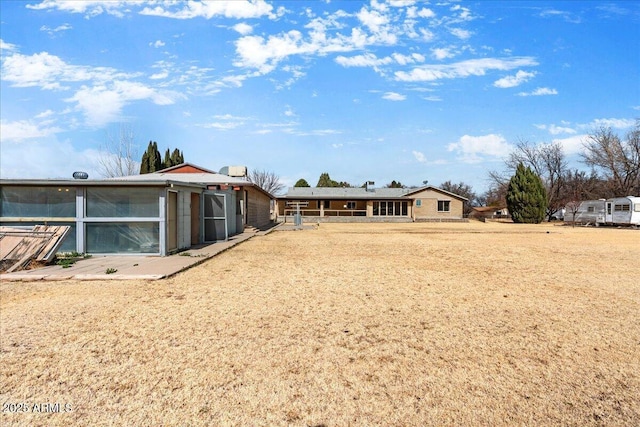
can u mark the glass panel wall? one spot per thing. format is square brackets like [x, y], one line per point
[30, 202]
[125, 202]
[123, 237]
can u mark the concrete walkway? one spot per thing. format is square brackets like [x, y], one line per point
[129, 267]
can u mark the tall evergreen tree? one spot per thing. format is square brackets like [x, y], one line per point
[144, 163]
[166, 161]
[155, 160]
[326, 181]
[176, 157]
[526, 196]
[152, 160]
[301, 183]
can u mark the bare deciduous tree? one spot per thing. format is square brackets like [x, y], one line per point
[464, 190]
[268, 181]
[578, 186]
[119, 153]
[617, 160]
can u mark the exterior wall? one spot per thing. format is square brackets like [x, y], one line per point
[258, 208]
[429, 205]
[185, 169]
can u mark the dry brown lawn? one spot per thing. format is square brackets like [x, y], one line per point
[385, 324]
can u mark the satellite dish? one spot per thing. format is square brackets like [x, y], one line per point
[80, 175]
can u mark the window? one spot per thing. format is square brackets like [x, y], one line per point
[444, 206]
[390, 208]
[116, 237]
[122, 202]
[591, 209]
[418, 203]
[351, 205]
[33, 202]
[636, 207]
[621, 208]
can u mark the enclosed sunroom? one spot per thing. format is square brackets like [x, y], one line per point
[154, 214]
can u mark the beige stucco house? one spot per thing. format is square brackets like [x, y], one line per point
[327, 204]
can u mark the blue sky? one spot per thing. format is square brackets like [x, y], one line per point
[398, 90]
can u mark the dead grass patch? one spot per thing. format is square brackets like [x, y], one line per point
[368, 324]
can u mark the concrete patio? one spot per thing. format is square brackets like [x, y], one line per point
[134, 266]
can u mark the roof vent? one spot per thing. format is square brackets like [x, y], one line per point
[368, 186]
[80, 175]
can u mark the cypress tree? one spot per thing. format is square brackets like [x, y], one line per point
[166, 162]
[144, 164]
[176, 157]
[152, 161]
[155, 160]
[526, 197]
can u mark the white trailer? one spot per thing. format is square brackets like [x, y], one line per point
[622, 211]
[616, 211]
[589, 212]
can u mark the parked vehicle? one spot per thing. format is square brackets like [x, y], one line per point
[616, 211]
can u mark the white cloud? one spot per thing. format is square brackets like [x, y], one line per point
[243, 28]
[460, 33]
[89, 8]
[49, 71]
[157, 44]
[366, 60]
[556, 130]
[515, 80]
[25, 129]
[612, 123]
[567, 16]
[471, 67]
[211, 9]
[289, 112]
[44, 114]
[159, 76]
[420, 157]
[541, 91]
[7, 46]
[256, 52]
[52, 31]
[223, 125]
[43, 157]
[571, 145]
[315, 132]
[393, 96]
[373, 19]
[102, 104]
[474, 149]
[442, 53]
[426, 13]
[103, 93]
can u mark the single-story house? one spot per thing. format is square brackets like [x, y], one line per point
[366, 204]
[489, 212]
[157, 213]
